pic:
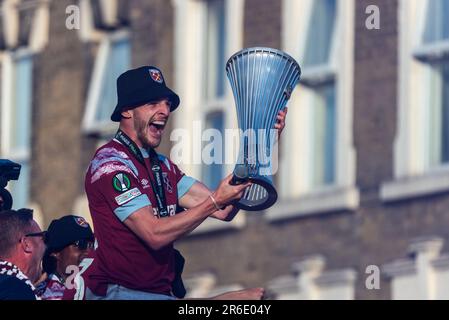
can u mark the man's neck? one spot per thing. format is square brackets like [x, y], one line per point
[131, 133]
[20, 263]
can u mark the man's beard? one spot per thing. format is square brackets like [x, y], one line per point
[141, 128]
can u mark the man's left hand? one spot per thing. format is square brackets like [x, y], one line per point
[226, 214]
[280, 120]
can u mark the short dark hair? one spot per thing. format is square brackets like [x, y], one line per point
[13, 225]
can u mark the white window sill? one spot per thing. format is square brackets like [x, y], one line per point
[211, 224]
[331, 200]
[431, 52]
[411, 187]
[103, 129]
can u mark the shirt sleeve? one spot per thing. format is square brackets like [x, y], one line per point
[123, 193]
[183, 182]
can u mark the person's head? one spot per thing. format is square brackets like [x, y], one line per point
[22, 241]
[144, 105]
[68, 240]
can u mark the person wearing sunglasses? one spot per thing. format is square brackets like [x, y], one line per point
[21, 250]
[69, 240]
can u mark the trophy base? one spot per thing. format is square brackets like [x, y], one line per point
[259, 196]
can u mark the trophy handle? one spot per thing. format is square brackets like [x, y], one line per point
[241, 175]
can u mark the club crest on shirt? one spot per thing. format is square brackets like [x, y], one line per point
[121, 182]
[167, 183]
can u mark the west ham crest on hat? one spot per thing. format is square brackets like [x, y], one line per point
[156, 75]
[81, 222]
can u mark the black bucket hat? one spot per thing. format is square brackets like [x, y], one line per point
[139, 86]
[66, 230]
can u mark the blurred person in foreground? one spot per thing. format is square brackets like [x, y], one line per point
[21, 250]
[69, 240]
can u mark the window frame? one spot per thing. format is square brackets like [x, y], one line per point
[296, 199]
[20, 155]
[412, 177]
[89, 124]
[189, 60]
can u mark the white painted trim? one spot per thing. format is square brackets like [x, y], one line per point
[189, 64]
[22, 154]
[334, 199]
[6, 104]
[109, 12]
[400, 268]
[432, 51]
[89, 124]
[10, 23]
[39, 29]
[411, 176]
[337, 278]
[295, 196]
[441, 263]
[435, 181]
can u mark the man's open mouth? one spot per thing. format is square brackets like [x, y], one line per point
[157, 126]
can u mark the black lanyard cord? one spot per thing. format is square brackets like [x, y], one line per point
[156, 170]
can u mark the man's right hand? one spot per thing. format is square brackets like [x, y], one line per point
[226, 193]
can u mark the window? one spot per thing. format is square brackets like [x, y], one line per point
[437, 133]
[214, 70]
[215, 33]
[422, 143]
[431, 52]
[215, 49]
[212, 173]
[16, 115]
[319, 77]
[320, 35]
[113, 58]
[437, 24]
[105, 23]
[317, 167]
[24, 32]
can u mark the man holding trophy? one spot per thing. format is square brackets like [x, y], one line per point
[134, 194]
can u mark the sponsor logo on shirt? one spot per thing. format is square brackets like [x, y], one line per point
[170, 208]
[145, 183]
[127, 196]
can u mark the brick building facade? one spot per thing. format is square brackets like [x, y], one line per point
[362, 214]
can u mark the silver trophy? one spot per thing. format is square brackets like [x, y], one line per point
[262, 80]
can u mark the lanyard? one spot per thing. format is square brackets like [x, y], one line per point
[155, 168]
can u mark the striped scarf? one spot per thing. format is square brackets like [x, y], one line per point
[10, 269]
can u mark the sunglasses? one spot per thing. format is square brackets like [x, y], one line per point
[41, 234]
[84, 244]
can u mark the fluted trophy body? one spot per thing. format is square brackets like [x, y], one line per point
[262, 80]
